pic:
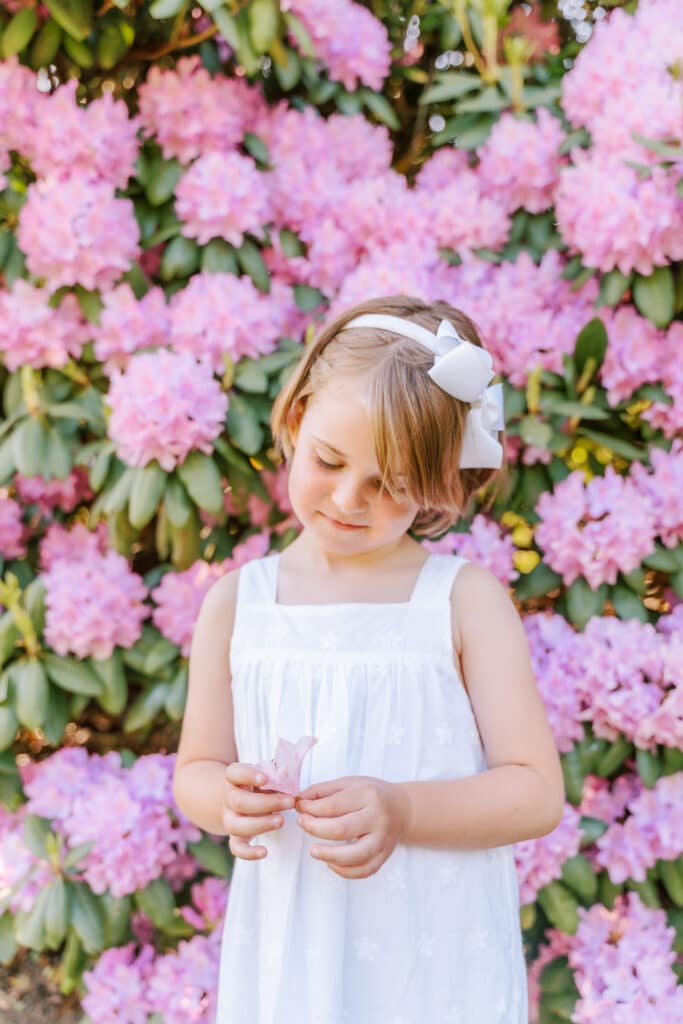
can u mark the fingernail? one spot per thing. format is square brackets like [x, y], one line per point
[300, 820]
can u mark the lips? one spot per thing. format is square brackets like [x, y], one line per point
[344, 526]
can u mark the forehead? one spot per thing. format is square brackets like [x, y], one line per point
[339, 417]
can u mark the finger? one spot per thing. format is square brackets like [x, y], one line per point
[241, 848]
[323, 789]
[343, 801]
[360, 871]
[345, 827]
[243, 801]
[241, 774]
[237, 825]
[347, 854]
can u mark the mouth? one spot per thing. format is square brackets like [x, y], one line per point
[344, 526]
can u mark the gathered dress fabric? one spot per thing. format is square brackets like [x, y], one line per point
[434, 936]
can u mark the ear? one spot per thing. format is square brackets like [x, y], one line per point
[294, 418]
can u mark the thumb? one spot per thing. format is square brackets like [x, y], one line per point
[321, 789]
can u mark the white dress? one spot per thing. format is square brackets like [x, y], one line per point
[434, 936]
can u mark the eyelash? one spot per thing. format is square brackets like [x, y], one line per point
[332, 466]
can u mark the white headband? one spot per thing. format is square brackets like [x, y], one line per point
[464, 371]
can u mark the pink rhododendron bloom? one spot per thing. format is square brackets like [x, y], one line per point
[128, 324]
[663, 486]
[527, 315]
[485, 542]
[209, 899]
[97, 140]
[182, 987]
[164, 405]
[179, 597]
[335, 30]
[519, 163]
[652, 831]
[76, 231]
[220, 313]
[623, 959]
[19, 97]
[614, 218]
[461, 216]
[223, 195]
[283, 772]
[12, 531]
[116, 986]
[93, 605]
[557, 664]
[73, 543]
[595, 530]
[636, 354]
[49, 495]
[539, 861]
[190, 112]
[669, 417]
[609, 798]
[33, 333]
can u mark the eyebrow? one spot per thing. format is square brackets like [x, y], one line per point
[331, 447]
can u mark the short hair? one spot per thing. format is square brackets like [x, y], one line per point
[417, 426]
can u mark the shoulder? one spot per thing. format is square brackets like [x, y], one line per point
[480, 603]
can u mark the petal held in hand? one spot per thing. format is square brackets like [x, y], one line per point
[283, 772]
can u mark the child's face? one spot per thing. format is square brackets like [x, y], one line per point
[334, 479]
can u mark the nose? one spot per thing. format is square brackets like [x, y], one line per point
[348, 495]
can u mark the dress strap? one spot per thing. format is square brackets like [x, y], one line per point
[257, 581]
[435, 582]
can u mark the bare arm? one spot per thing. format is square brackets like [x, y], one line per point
[521, 794]
[207, 742]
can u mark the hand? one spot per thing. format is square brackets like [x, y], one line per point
[370, 813]
[246, 813]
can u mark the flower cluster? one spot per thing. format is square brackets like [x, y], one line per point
[519, 163]
[223, 195]
[94, 602]
[35, 333]
[595, 530]
[164, 405]
[539, 861]
[12, 530]
[127, 324]
[49, 495]
[485, 542]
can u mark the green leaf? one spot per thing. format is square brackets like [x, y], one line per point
[219, 257]
[29, 447]
[34, 602]
[227, 26]
[157, 901]
[301, 34]
[162, 9]
[148, 487]
[614, 444]
[263, 17]
[551, 403]
[613, 287]
[57, 913]
[213, 857]
[307, 298]
[243, 427]
[58, 462]
[72, 675]
[534, 432]
[45, 46]
[79, 52]
[560, 906]
[19, 31]
[489, 100]
[177, 504]
[163, 176]
[613, 758]
[74, 16]
[578, 875]
[202, 479]
[537, 583]
[180, 259]
[591, 343]
[145, 708]
[591, 829]
[8, 942]
[583, 602]
[32, 693]
[99, 469]
[649, 766]
[251, 262]
[117, 497]
[450, 86]
[35, 834]
[114, 39]
[573, 773]
[9, 724]
[87, 917]
[150, 653]
[114, 694]
[654, 296]
[627, 604]
[379, 105]
[249, 377]
[176, 696]
[29, 926]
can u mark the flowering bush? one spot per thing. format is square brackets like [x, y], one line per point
[174, 225]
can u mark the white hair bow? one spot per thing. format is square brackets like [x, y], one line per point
[464, 371]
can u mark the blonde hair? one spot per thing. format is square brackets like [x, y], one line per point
[417, 427]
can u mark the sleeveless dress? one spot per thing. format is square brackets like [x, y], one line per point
[434, 936]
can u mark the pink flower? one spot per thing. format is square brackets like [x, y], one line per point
[190, 112]
[77, 232]
[12, 533]
[223, 195]
[72, 544]
[663, 486]
[35, 333]
[93, 605]
[179, 597]
[539, 861]
[519, 163]
[485, 543]
[284, 771]
[49, 495]
[164, 405]
[128, 324]
[335, 30]
[595, 530]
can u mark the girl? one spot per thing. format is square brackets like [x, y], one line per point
[385, 892]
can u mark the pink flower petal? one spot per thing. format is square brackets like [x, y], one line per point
[284, 771]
